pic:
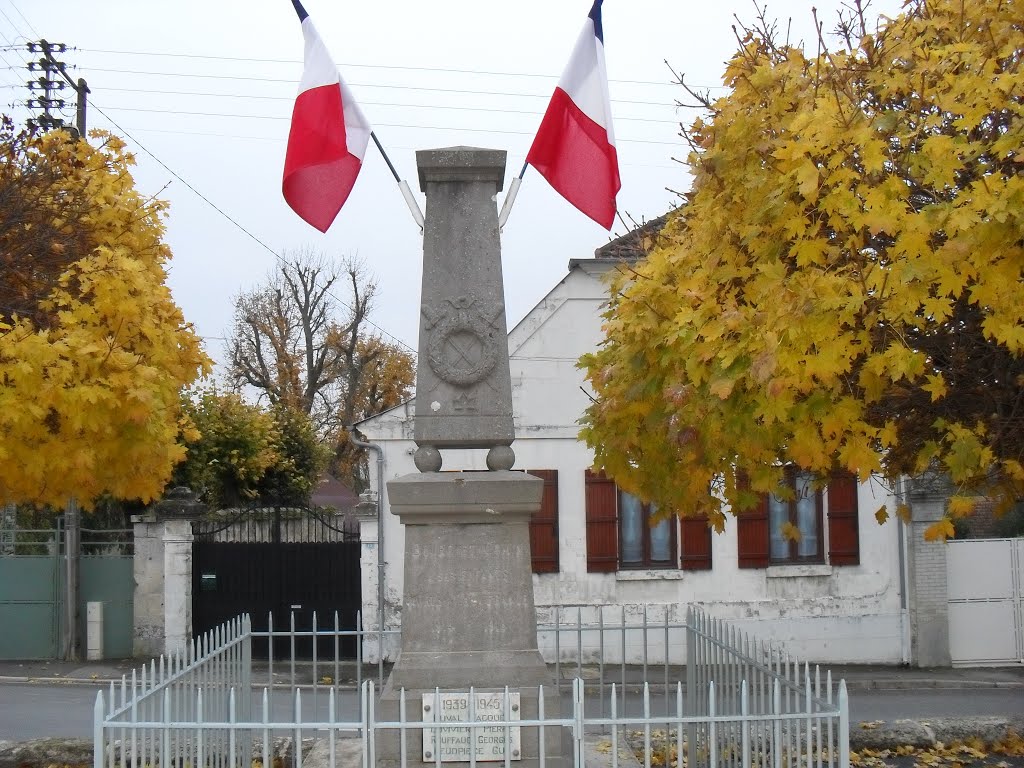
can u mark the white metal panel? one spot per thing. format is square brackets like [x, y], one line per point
[982, 632]
[1020, 567]
[985, 585]
[980, 569]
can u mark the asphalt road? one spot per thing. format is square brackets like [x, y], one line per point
[38, 710]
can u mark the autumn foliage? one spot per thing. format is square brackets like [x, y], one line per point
[242, 454]
[304, 348]
[93, 350]
[842, 288]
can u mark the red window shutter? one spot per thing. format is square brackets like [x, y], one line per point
[843, 533]
[602, 524]
[752, 535]
[696, 544]
[544, 524]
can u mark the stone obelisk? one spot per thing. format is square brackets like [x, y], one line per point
[468, 616]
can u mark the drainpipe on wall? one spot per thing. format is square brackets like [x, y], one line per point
[901, 543]
[380, 538]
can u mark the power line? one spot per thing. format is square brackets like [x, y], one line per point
[364, 103]
[19, 49]
[36, 33]
[353, 65]
[217, 208]
[223, 213]
[278, 139]
[290, 99]
[292, 81]
[381, 125]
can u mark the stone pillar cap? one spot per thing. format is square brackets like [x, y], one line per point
[465, 497]
[461, 164]
[179, 503]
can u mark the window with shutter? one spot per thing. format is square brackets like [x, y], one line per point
[843, 531]
[695, 537]
[544, 524]
[752, 534]
[644, 541]
[761, 541]
[799, 510]
[602, 523]
[620, 534]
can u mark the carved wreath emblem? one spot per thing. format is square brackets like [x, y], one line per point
[462, 348]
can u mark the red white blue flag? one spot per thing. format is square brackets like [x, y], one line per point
[328, 136]
[575, 145]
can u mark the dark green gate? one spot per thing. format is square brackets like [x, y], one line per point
[31, 593]
[33, 589]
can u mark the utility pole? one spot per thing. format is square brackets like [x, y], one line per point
[72, 551]
[53, 79]
[48, 84]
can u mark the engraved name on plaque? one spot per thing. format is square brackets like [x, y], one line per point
[453, 744]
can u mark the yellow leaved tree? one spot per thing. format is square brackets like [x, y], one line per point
[843, 288]
[93, 350]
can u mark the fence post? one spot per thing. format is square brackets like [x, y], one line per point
[745, 723]
[98, 747]
[844, 726]
[776, 748]
[691, 684]
[72, 554]
[578, 722]
[246, 667]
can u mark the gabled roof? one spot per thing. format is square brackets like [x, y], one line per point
[635, 244]
[331, 492]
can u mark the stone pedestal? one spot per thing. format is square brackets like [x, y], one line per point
[469, 618]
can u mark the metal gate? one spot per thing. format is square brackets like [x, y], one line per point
[33, 589]
[985, 584]
[31, 593]
[280, 565]
[106, 575]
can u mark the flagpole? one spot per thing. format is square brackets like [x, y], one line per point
[410, 201]
[510, 198]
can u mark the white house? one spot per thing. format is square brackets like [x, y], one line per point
[837, 596]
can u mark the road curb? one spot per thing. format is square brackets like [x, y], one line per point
[927, 733]
[851, 685]
[927, 684]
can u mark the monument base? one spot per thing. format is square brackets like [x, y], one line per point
[469, 621]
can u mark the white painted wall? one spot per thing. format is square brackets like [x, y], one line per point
[844, 614]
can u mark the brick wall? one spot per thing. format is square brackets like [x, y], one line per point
[929, 611]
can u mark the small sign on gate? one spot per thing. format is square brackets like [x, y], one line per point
[490, 742]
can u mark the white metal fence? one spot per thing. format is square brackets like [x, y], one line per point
[743, 704]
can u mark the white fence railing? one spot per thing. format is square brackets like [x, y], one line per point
[742, 704]
[145, 716]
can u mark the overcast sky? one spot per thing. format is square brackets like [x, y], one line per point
[203, 91]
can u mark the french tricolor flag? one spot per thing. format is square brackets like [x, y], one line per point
[328, 136]
[575, 145]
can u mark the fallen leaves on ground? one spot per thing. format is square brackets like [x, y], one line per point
[973, 752]
[956, 755]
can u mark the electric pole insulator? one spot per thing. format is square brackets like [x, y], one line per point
[53, 78]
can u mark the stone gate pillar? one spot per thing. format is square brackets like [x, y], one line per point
[928, 593]
[162, 569]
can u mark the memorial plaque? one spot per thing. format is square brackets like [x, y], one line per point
[490, 741]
